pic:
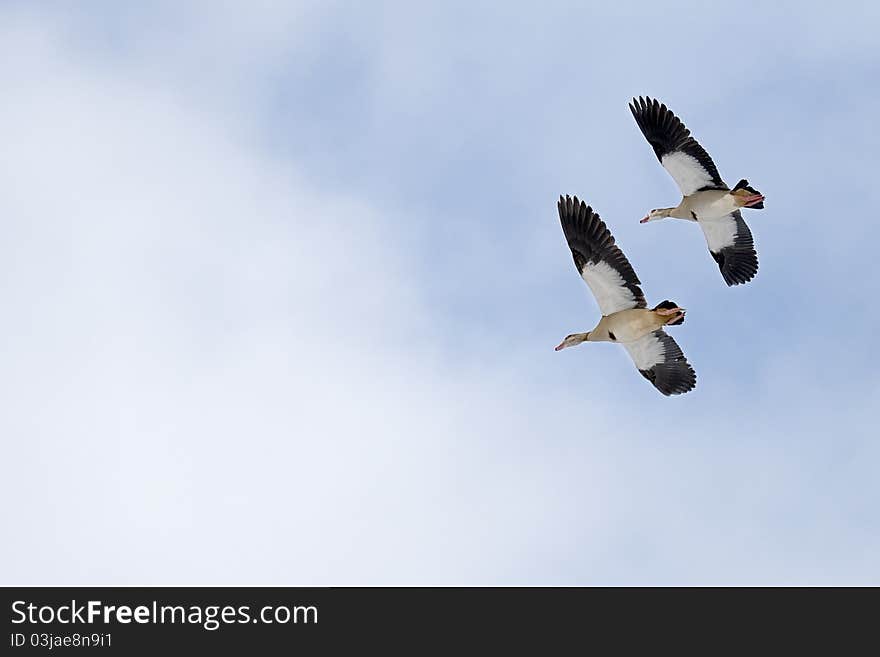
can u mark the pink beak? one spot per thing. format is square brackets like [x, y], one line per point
[560, 346]
[645, 220]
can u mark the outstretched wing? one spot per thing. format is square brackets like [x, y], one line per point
[660, 360]
[731, 244]
[598, 259]
[680, 154]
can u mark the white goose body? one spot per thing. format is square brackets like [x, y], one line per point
[625, 316]
[706, 199]
[706, 205]
[627, 326]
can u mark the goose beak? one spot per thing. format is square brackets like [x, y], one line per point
[560, 346]
[645, 220]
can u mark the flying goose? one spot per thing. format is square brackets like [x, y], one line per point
[625, 317]
[706, 199]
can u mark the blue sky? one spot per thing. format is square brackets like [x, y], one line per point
[282, 283]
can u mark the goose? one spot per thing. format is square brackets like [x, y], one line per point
[625, 316]
[705, 197]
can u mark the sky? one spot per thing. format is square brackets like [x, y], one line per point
[281, 284]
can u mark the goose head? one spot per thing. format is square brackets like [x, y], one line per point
[572, 340]
[660, 213]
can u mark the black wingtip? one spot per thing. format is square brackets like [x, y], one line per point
[569, 206]
[564, 205]
[673, 376]
[737, 268]
[671, 382]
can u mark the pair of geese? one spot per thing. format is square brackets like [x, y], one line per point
[707, 201]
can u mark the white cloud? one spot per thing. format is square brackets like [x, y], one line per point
[214, 372]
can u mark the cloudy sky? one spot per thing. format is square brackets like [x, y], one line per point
[281, 284]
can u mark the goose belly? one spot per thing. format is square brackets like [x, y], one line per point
[712, 204]
[627, 325]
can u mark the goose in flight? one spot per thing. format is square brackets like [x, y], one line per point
[625, 316]
[706, 199]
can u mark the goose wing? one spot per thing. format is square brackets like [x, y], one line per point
[660, 360]
[598, 259]
[680, 154]
[731, 244]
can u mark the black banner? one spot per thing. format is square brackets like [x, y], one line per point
[247, 620]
